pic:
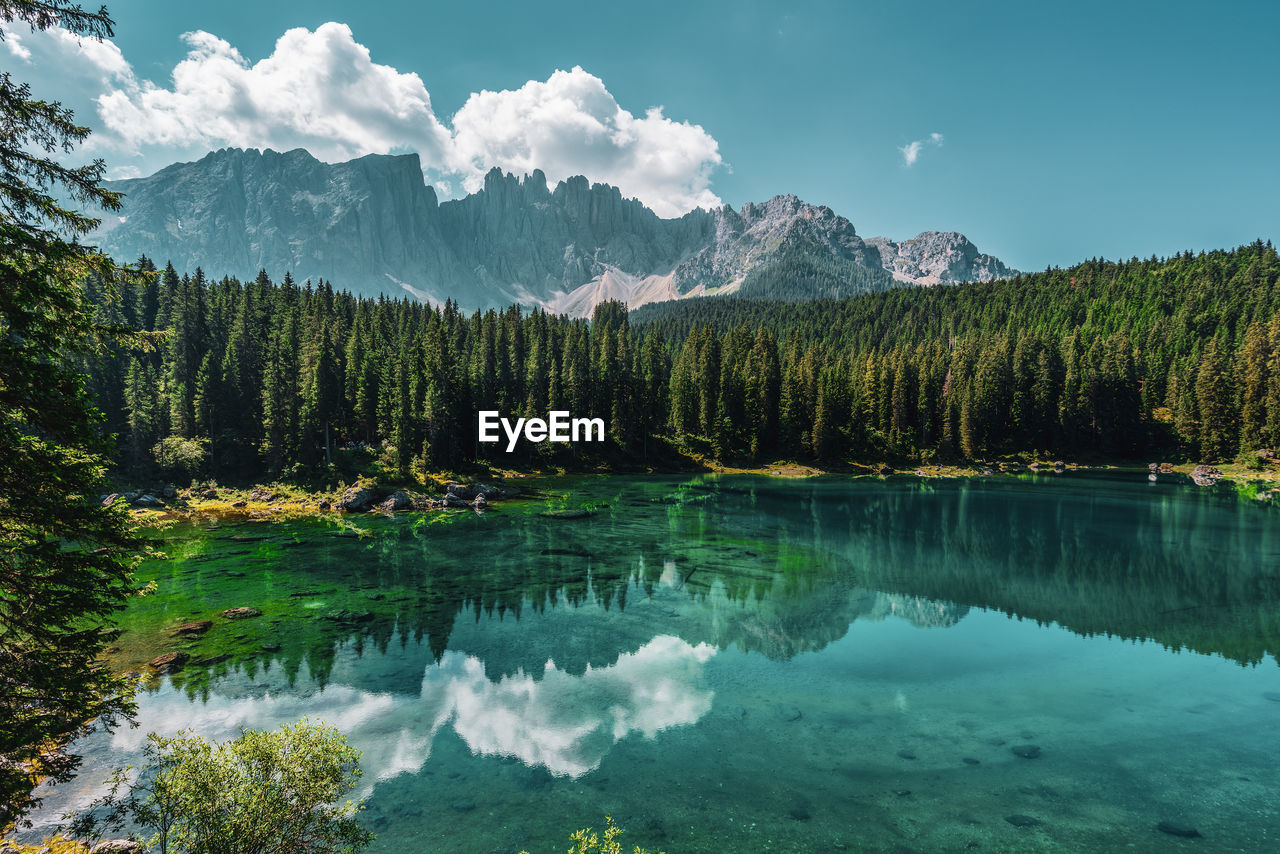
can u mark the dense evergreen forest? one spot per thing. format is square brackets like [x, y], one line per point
[1121, 360]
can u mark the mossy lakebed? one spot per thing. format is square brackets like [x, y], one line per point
[745, 663]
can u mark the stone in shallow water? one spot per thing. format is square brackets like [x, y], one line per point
[241, 613]
[1026, 751]
[1273, 696]
[1177, 828]
[463, 805]
[969, 760]
[790, 714]
[906, 754]
[1020, 820]
[170, 662]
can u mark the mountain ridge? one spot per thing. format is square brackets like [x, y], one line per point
[373, 225]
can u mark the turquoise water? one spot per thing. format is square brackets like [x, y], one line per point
[747, 664]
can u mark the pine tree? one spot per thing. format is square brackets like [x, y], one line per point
[64, 558]
[1214, 395]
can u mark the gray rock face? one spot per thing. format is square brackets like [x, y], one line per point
[746, 239]
[236, 212]
[373, 226]
[938, 257]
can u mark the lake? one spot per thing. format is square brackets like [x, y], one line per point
[738, 663]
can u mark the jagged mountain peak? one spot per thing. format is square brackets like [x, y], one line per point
[373, 225]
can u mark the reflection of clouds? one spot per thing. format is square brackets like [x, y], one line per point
[561, 722]
[567, 723]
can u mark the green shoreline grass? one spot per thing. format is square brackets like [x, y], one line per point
[292, 502]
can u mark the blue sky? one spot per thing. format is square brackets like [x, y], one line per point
[1065, 130]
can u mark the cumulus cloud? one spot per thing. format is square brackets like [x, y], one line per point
[571, 125]
[911, 151]
[321, 90]
[318, 90]
[68, 68]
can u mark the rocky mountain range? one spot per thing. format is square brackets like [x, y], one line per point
[372, 225]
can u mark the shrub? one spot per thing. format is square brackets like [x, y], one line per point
[270, 792]
[182, 457]
[587, 842]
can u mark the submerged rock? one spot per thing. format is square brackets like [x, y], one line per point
[576, 513]
[1174, 828]
[1020, 820]
[1026, 751]
[198, 627]
[342, 615]
[241, 613]
[170, 662]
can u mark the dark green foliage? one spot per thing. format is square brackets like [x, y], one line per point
[803, 273]
[1107, 359]
[265, 791]
[64, 558]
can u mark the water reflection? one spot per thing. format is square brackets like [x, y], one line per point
[779, 568]
[689, 619]
[561, 722]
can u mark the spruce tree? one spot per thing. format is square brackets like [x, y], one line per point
[64, 558]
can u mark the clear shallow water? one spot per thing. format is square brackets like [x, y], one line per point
[747, 664]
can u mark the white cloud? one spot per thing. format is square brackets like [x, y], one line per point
[321, 90]
[14, 43]
[911, 151]
[318, 90]
[572, 125]
[80, 64]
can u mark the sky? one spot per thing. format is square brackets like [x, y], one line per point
[1048, 133]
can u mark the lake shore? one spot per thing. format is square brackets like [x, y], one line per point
[282, 501]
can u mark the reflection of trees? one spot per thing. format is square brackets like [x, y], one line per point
[1188, 570]
[773, 567]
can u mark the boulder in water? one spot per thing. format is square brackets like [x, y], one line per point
[1203, 475]
[241, 613]
[1176, 828]
[170, 662]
